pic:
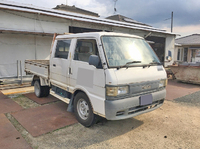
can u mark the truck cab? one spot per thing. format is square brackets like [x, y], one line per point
[112, 75]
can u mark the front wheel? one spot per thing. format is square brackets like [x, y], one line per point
[83, 110]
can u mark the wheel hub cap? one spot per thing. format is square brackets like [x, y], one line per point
[83, 109]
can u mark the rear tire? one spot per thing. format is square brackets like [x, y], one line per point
[83, 110]
[40, 91]
[46, 90]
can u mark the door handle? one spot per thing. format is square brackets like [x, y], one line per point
[54, 65]
[70, 70]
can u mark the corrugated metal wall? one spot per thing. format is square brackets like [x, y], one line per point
[15, 47]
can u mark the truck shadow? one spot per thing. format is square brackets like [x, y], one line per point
[103, 131]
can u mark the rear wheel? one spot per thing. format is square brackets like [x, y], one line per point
[40, 91]
[83, 110]
[37, 88]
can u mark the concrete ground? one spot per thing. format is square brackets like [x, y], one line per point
[175, 125]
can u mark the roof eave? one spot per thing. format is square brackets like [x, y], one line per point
[189, 44]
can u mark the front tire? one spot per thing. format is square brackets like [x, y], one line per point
[83, 110]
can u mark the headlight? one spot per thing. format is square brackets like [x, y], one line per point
[115, 91]
[163, 83]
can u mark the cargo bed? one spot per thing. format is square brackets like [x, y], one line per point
[37, 67]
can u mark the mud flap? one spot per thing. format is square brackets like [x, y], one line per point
[70, 107]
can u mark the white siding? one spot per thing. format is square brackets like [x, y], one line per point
[13, 20]
[169, 46]
[176, 53]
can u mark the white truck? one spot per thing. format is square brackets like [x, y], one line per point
[112, 75]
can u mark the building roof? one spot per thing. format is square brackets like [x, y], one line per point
[7, 5]
[125, 19]
[193, 39]
[75, 10]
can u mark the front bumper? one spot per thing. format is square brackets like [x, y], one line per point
[130, 107]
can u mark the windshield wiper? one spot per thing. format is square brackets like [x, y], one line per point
[128, 63]
[153, 63]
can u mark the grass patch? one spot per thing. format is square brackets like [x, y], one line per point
[23, 101]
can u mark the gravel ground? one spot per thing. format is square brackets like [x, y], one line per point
[176, 125]
[192, 99]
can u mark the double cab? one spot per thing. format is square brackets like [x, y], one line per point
[112, 75]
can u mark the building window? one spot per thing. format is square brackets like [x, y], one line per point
[193, 54]
[197, 54]
[185, 54]
[178, 55]
[62, 48]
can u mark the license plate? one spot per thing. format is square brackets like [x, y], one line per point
[146, 99]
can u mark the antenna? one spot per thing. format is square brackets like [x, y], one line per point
[115, 9]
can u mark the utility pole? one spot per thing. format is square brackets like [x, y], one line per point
[172, 22]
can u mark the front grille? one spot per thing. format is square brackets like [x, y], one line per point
[144, 87]
[147, 92]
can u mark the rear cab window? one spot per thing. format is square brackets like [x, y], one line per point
[62, 48]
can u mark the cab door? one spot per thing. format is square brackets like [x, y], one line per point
[87, 77]
[59, 63]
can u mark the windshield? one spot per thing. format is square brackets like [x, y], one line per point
[121, 51]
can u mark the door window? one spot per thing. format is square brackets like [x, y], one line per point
[178, 54]
[62, 48]
[85, 48]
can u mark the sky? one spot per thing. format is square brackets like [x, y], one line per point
[156, 13]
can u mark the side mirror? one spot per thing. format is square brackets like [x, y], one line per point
[94, 60]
